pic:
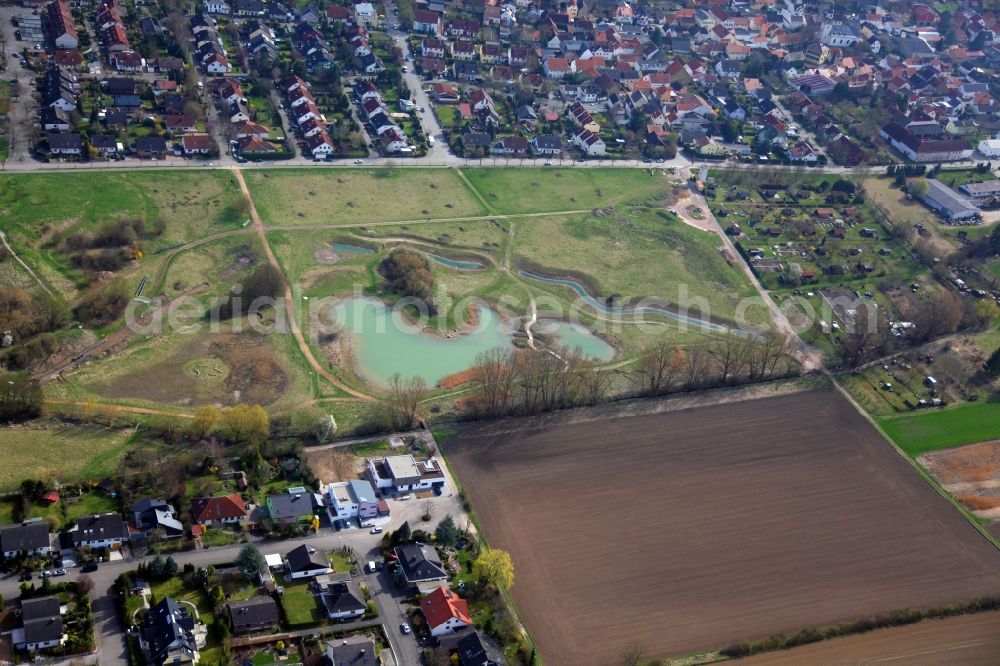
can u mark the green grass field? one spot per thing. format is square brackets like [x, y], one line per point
[309, 197]
[60, 452]
[300, 605]
[38, 211]
[926, 431]
[553, 189]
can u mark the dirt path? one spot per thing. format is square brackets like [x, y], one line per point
[293, 322]
[3, 237]
[115, 342]
[120, 408]
[424, 220]
[468, 183]
[806, 355]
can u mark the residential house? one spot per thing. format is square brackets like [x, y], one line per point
[54, 119]
[104, 530]
[170, 635]
[62, 27]
[510, 146]
[403, 474]
[295, 504]
[151, 147]
[306, 562]
[156, 514]
[106, 145]
[427, 22]
[217, 7]
[472, 651]
[445, 612]
[65, 145]
[319, 145]
[419, 563]
[197, 143]
[41, 624]
[351, 651]
[839, 35]
[341, 597]
[444, 93]
[250, 615]
[546, 144]
[355, 499]
[432, 47]
[588, 142]
[180, 124]
[24, 540]
[365, 15]
[254, 145]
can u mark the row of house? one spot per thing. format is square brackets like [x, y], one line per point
[209, 52]
[311, 123]
[387, 131]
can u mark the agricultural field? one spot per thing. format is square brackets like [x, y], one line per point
[63, 453]
[970, 473]
[751, 520]
[309, 197]
[943, 428]
[970, 640]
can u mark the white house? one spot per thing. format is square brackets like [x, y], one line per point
[306, 562]
[341, 597]
[366, 15]
[28, 538]
[41, 624]
[445, 612]
[403, 474]
[217, 7]
[588, 142]
[348, 500]
[839, 34]
[989, 148]
[105, 530]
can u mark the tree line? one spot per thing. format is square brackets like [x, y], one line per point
[524, 382]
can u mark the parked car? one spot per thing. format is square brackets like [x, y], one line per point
[88, 567]
[405, 628]
[46, 574]
[376, 530]
[59, 572]
[25, 576]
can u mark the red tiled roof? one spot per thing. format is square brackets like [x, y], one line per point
[442, 605]
[218, 508]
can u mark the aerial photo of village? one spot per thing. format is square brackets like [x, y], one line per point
[500, 332]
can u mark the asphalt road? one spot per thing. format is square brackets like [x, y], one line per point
[110, 631]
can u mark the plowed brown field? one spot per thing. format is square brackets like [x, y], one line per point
[688, 530]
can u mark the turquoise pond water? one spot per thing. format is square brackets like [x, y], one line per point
[577, 337]
[600, 306]
[455, 263]
[385, 343]
[352, 249]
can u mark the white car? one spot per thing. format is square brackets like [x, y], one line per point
[376, 530]
[405, 628]
[359, 162]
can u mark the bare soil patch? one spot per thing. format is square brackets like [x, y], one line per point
[690, 530]
[971, 473]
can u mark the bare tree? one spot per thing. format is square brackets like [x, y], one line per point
[406, 396]
[495, 370]
[697, 363]
[730, 356]
[658, 368]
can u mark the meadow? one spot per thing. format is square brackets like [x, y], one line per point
[60, 452]
[925, 431]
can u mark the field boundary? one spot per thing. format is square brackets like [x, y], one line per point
[912, 462]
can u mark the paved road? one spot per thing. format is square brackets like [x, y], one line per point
[110, 631]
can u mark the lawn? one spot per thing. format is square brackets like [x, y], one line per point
[300, 605]
[62, 452]
[340, 561]
[543, 190]
[303, 197]
[637, 254]
[86, 504]
[943, 428]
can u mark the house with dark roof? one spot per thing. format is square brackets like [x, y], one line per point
[54, 119]
[222, 510]
[546, 144]
[473, 651]
[295, 504]
[65, 145]
[151, 147]
[419, 563]
[170, 635]
[105, 144]
[306, 562]
[256, 614]
[352, 651]
[28, 538]
[41, 624]
[156, 514]
[105, 530]
[341, 597]
[925, 148]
